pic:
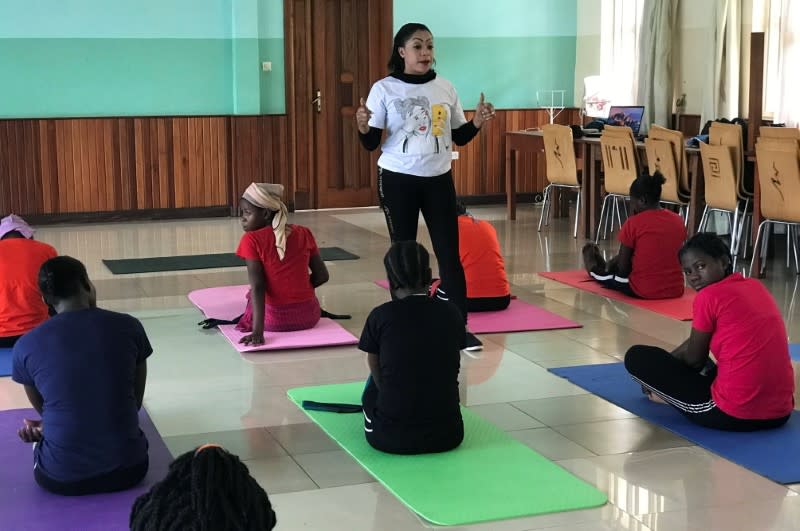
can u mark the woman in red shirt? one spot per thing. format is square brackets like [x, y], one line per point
[751, 386]
[279, 257]
[484, 267]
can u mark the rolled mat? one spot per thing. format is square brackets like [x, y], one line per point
[771, 453]
[26, 506]
[490, 476]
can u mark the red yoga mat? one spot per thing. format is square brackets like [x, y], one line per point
[520, 316]
[679, 308]
[227, 302]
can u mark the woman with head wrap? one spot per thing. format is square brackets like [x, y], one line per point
[21, 305]
[279, 257]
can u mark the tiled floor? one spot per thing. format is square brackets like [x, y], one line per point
[200, 390]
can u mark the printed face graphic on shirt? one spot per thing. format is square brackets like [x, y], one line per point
[423, 124]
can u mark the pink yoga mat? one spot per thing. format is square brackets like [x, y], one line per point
[680, 308]
[520, 316]
[227, 302]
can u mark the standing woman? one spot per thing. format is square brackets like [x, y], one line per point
[423, 118]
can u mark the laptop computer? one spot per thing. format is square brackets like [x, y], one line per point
[628, 115]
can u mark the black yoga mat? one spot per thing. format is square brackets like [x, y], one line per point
[129, 266]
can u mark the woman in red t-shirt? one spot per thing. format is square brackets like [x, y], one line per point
[751, 386]
[647, 265]
[279, 257]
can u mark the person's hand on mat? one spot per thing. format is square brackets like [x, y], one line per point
[362, 117]
[483, 112]
[253, 339]
[31, 432]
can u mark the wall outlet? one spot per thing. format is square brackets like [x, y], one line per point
[266, 66]
[455, 155]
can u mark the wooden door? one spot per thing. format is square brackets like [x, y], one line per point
[338, 49]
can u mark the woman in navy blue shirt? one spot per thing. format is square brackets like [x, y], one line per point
[84, 371]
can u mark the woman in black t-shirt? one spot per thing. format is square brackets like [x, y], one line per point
[413, 345]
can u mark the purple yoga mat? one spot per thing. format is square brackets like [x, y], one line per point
[26, 506]
[520, 316]
[228, 302]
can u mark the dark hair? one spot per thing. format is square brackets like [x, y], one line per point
[461, 208]
[710, 244]
[62, 277]
[407, 265]
[396, 63]
[210, 490]
[648, 187]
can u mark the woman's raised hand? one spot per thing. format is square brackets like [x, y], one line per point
[362, 117]
[483, 112]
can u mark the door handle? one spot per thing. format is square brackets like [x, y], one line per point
[318, 101]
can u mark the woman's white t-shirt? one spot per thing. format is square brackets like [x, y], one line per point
[418, 120]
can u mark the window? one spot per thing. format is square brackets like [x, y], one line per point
[621, 21]
[780, 22]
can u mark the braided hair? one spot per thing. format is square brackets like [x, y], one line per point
[407, 266]
[62, 277]
[710, 244]
[208, 489]
[648, 188]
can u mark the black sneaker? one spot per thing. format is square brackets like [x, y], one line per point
[472, 343]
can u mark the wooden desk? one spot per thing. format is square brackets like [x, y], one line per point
[589, 150]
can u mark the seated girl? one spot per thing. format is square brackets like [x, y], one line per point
[413, 344]
[484, 268]
[279, 257]
[21, 304]
[647, 263]
[206, 488]
[751, 387]
[84, 371]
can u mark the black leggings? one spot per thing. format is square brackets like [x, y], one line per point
[116, 480]
[488, 304]
[686, 389]
[402, 197]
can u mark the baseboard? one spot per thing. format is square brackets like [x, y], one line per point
[130, 215]
[493, 199]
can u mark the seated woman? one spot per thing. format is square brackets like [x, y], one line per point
[206, 488]
[484, 268]
[21, 304]
[751, 387]
[413, 344]
[647, 264]
[84, 371]
[279, 257]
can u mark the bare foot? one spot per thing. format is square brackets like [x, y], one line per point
[593, 258]
[655, 398]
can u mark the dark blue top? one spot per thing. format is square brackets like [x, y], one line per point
[83, 363]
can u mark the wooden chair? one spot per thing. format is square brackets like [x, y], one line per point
[620, 167]
[675, 138]
[721, 189]
[661, 157]
[562, 170]
[778, 162]
[778, 132]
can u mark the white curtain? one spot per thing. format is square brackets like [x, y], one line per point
[721, 88]
[620, 22]
[659, 23]
[782, 76]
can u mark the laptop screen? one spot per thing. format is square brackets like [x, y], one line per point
[630, 116]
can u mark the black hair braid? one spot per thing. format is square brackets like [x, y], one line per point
[210, 491]
[407, 265]
[648, 187]
[710, 244]
[62, 277]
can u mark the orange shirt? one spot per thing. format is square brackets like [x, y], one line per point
[21, 304]
[481, 258]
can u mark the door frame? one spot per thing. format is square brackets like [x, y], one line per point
[298, 54]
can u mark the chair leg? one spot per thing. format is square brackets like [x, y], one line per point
[741, 226]
[602, 214]
[703, 220]
[755, 245]
[793, 228]
[544, 206]
[788, 246]
[734, 228]
[577, 214]
[619, 212]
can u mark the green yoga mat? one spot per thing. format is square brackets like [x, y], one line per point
[129, 266]
[489, 477]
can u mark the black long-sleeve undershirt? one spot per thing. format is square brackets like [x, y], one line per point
[461, 136]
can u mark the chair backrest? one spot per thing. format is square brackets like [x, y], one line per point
[675, 138]
[722, 134]
[627, 132]
[559, 154]
[779, 132]
[719, 176]
[619, 162]
[661, 157]
[779, 179]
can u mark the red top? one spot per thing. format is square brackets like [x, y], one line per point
[655, 236]
[481, 258]
[755, 379]
[288, 280]
[21, 305]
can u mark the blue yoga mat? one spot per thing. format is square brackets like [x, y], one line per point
[771, 453]
[794, 352]
[5, 362]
